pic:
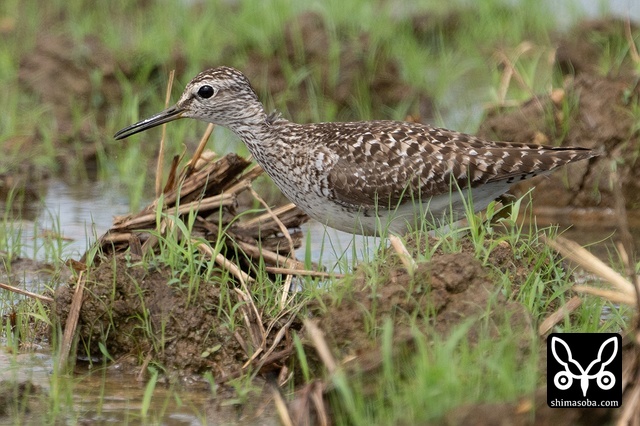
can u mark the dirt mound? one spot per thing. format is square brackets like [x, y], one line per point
[599, 117]
[446, 292]
[592, 110]
[583, 49]
[449, 291]
[146, 311]
[133, 309]
[186, 320]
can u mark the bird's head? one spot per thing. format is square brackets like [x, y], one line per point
[220, 96]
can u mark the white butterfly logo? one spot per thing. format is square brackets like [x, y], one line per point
[564, 379]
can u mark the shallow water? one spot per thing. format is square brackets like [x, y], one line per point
[74, 213]
[111, 397]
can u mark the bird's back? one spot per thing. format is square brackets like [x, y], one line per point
[386, 160]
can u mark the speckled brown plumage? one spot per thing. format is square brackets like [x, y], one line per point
[363, 176]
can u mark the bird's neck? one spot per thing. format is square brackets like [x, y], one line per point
[248, 123]
[258, 131]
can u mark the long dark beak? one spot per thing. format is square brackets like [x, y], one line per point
[165, 116]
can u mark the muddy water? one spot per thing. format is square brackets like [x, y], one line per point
[82, 211]
[109, 397]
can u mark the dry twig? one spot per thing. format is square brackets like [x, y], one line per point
[160, 162]
[26, 293]
[72, 322]
[624, 290]
[553, 319]
[403, 254]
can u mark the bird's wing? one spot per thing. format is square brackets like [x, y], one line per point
[386, 162]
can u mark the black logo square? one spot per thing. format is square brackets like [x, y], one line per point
[584, 370]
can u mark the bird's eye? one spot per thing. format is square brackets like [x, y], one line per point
[206, 91]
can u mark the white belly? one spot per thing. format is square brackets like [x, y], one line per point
[438, 211]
